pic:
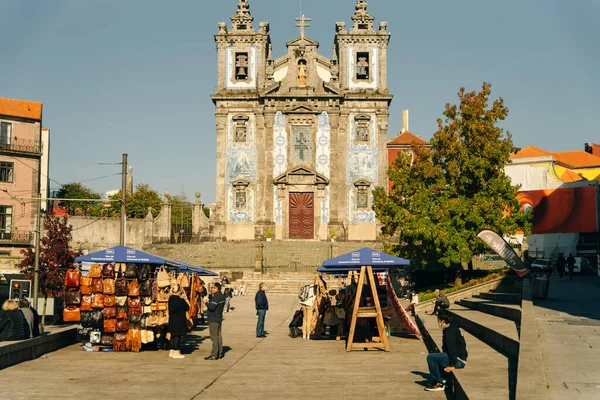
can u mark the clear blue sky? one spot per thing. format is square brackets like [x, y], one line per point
[135, 76]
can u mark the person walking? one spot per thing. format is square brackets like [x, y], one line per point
[571, 265]
[215, 305]
[441, 302]
[262, 305]
[12, 322]
[177, 320]
[228, 293]
[560, 265]
[454, 353]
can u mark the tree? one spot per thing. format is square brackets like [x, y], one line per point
[55, 257]
[76, 190]
[443, 198]
[137, 203]
[181, 217]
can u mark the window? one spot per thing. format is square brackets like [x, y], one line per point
[241, 66]
[5, 132]
[240, 133]
[7, 171]
[240, 194]
[5, 222]
[302, 147]
[362, 65]
[362, 129]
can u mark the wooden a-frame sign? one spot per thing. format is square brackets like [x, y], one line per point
[367, 312]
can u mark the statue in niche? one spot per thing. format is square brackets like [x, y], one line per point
[302, 73]
[362, 134]
[240, 133]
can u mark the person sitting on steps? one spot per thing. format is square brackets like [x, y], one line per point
[441, 302]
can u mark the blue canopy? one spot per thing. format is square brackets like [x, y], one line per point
[185, 267]
[121, 254]
[344, 271]
[365, 257]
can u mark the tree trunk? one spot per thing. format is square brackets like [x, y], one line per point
[44, 314]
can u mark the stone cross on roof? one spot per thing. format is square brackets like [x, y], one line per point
[363, 21]
[303, 23]
[242, 20]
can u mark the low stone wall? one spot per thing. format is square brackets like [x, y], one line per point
[427, 306]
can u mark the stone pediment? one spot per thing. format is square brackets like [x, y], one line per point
[302, 176]
[298, 42]
[301, 109]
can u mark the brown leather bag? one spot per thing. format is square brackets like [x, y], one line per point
[72, 278]
[110, 300]
[134, 339]
[122, 325]
[108, 286]
[107, 340]
[97, 286]
[73, 298]
[133, 289]
[86, 290]
[110, 325]
[108, 271]
[95, 271]
[71, 314]
[134, 302]
[119, 346]
[85, 281]
[121, 337]
[109, 312]
[86, 303]
[163, 296]
[98, 300]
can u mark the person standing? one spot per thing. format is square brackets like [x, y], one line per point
[262, 305]
[12, 322]
[307, 298]
[571, 265]
[177, 320]
[215, 305]
[560, 265]
[228, 293]
[242, 289]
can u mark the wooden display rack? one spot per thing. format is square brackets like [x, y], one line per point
[380, 342]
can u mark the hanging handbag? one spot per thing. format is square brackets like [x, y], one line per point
[72, 278]
[156, 306]
[121, 300]
[97, 319]
[110, 325]
[121, 287]
[98, 300]
[95, 337]
[134, 310]
[146, 310]
[130, 270]
[152, 320]
[97, 286]
[121, 336]
[109, 312]
[163, 318]
[146, 288]
[143, 272]
[83, 334]
[122, 325]
[134, 340]
[133, 289]
[183, 280]
[163, 279]
[86, 303]
[121, 312]
[85, 289]
[108, 286]
[95, 271]
[108, 271]
[86, 319]
[71, 314]
[119, 346]
[109, 300]
[134, 319]
[85, 281]
[72, 298]
[134, 302]
[163, 296]
[147, 336]
[107, 340]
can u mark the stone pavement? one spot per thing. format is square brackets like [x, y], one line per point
[277, 367]
[569, 330]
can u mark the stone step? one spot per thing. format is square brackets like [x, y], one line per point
[497, 332]
[509, 298]
[500, 371]
[509, 311]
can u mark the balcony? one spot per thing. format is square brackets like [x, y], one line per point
[22, 146]
[16, 237]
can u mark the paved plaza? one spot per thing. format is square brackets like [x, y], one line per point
[277, 367]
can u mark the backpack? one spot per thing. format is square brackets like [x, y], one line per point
[296, 320]
[304, 293]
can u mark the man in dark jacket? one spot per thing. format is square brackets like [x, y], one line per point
[215, 305]
[571, 265]
[441, 303]
[262, 305]
[454, 353]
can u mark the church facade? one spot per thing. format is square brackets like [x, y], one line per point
[301, 140]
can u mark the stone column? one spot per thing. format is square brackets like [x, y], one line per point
[259, 259]
[200, 222]
[148, 227]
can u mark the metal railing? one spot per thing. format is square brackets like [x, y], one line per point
[16, 237]
[22, 146]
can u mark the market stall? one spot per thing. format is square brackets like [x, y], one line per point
[121, 300]
[360, 265]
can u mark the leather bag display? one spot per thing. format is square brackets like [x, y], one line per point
[147, 336]
[121, 312]
[135, 319]
[95, 271]
[108, 286]
[146, 288]
[130, 270]
[85, 281]
[133, 289]
[134, 310]
[95, 337]
[72, 278]
[85, 289]
[156, 306]
[121, 300]
[152, 320]
[109, 300]
[71, 314]
[108, 271]
[97, 319]
[120, 337]
[163, 296]
[163, 279]
[119, 346]
[86, 302]
[183, 280]
[72, 298]
[83, 334]
[86, 319]
[110, 325]
[134, 340]
[134, 302]
[107, 340]
[97, 286]
[98, 300]
[163, 318]
[109, 312]
[143, 272]
[121, 287]
[122, 325]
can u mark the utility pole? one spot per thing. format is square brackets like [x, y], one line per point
[36, 265]
[123, 198]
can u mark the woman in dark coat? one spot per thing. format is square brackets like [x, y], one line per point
[178, 306]
[12, 322]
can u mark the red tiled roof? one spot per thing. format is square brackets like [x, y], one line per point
[577, 159]
[20, 108]
[406, 138]
[569, 176]
[530, 151]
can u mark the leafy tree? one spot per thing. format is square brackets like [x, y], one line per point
[443, 198]
[138, 202]
[76, 190]
[55, 257]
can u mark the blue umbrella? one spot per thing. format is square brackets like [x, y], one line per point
[121, 254]
[365, 257]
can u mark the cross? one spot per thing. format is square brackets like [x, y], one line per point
[303, 23]
[301, 145]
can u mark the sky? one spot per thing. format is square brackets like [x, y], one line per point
[136, 76]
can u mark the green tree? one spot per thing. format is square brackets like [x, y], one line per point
[137, 204]
[443, 198]
[76, 190]
[55, 257]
